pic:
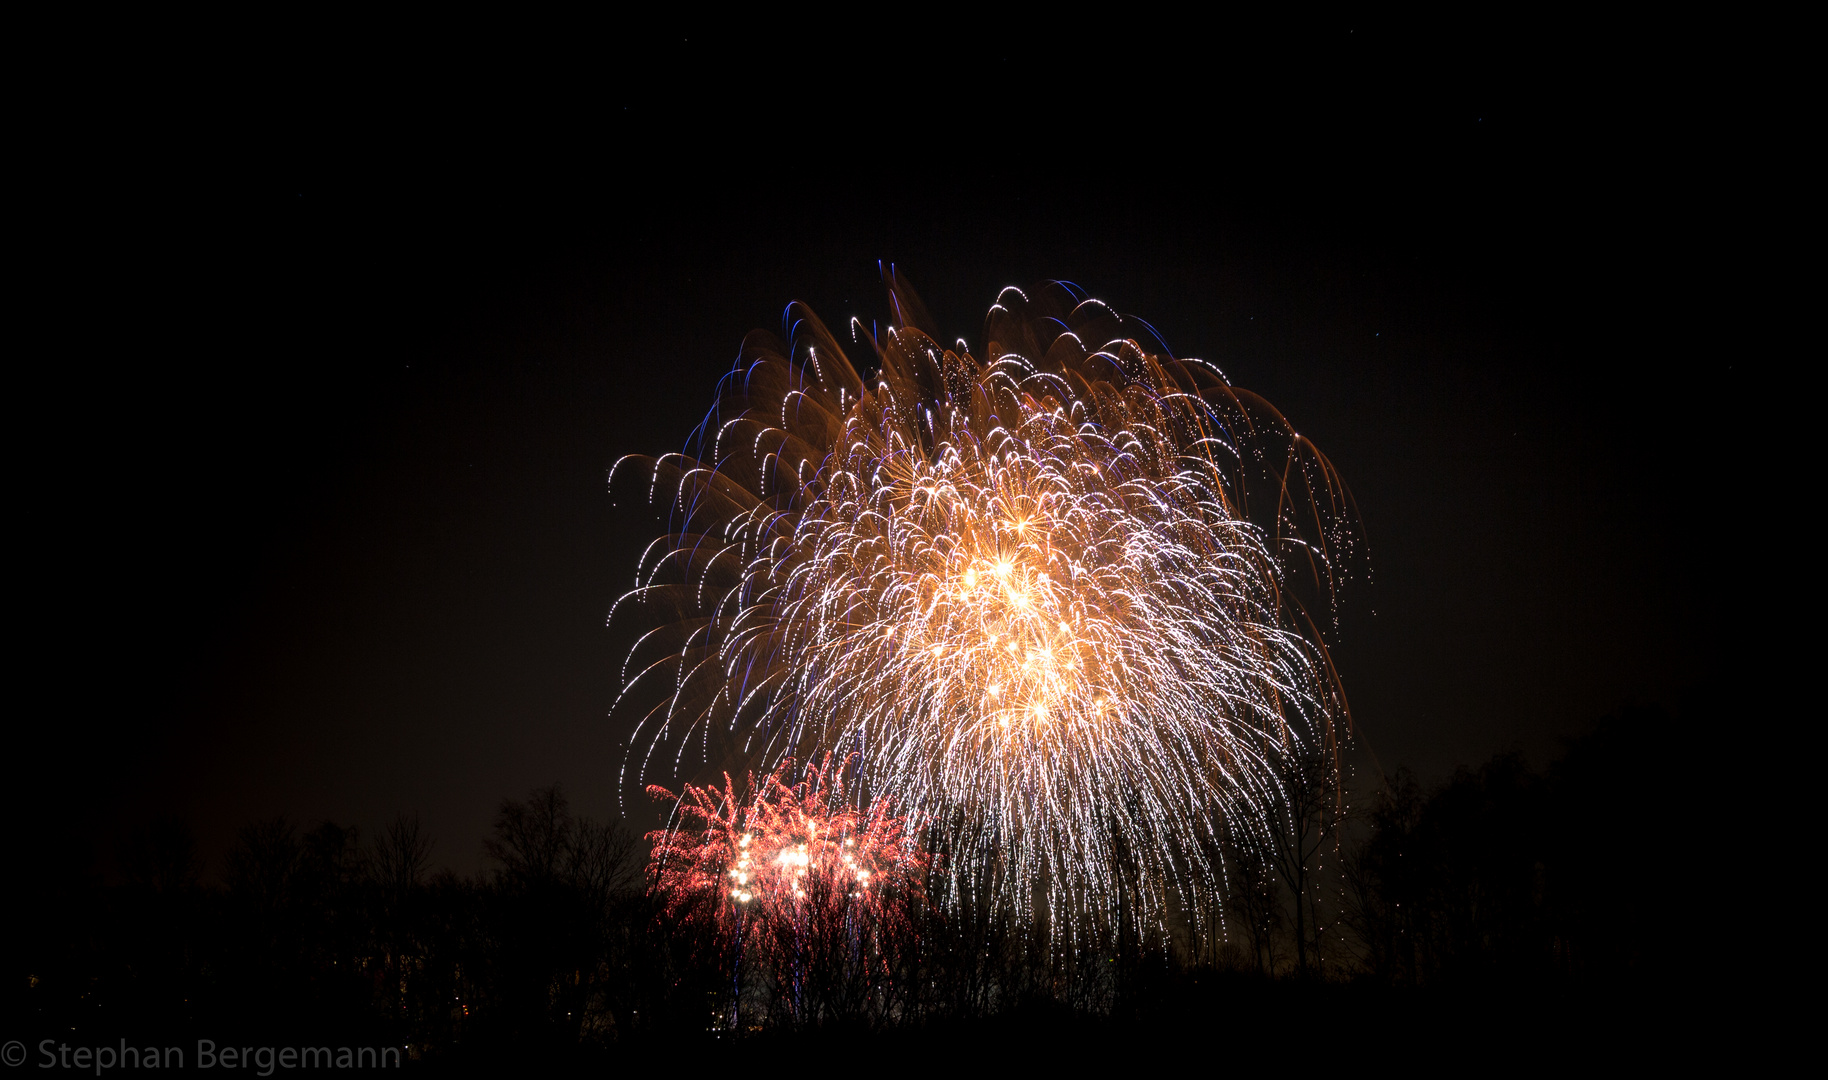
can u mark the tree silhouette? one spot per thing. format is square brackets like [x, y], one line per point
[1298, 834]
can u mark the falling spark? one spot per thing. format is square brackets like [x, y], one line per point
[1026, 591]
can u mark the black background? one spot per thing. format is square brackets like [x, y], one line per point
[331, 353]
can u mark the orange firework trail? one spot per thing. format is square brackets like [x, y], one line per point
[1026, 591]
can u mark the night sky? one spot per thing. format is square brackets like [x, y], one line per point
[314, 451]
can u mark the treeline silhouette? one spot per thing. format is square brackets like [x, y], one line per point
[1503, 896]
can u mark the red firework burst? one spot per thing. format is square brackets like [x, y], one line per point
[793, 876]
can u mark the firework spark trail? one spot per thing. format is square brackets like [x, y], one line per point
[1027, 592]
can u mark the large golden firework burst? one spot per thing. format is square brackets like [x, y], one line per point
[1029, 595]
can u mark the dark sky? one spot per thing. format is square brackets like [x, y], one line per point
[318, 439]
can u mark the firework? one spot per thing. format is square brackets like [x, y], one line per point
[790, 876]
[780, 853]
[1030, 593]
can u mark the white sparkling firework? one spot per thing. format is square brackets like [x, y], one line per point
[1025, 594]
